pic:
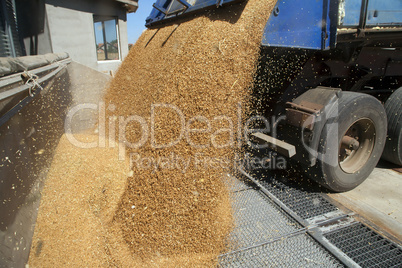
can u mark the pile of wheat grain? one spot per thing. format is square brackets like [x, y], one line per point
[178, 212]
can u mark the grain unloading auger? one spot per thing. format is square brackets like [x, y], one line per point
[337, 64]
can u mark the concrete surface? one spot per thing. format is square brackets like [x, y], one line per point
[378, 199]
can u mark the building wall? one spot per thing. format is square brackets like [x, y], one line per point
[70, 28]
[71, 31]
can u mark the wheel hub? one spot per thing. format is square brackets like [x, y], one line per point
[357, 145]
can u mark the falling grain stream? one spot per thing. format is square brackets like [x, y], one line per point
[96, 210]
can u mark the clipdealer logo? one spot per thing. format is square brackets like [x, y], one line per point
[236, 130]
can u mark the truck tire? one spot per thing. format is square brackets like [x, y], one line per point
[351, 143]
[393, 146]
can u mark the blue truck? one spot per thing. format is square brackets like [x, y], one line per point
[342, 102]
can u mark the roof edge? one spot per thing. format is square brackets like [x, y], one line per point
[130, 5]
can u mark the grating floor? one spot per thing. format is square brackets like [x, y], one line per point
[296, 251]
[258, 220]
[366, 247]
[277, 225]
[265, 235]
[303, 203]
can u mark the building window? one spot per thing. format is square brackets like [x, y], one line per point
[107, 42]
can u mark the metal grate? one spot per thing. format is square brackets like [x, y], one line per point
[303, 203]
[268, 234]
[265, 236]
[365, 246]
[236, 185]
[297, 251]
[257, 220]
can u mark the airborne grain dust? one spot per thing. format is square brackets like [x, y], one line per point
[175, 209]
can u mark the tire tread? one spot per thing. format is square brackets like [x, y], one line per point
[393, 107]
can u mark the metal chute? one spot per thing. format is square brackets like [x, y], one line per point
[171, 9]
